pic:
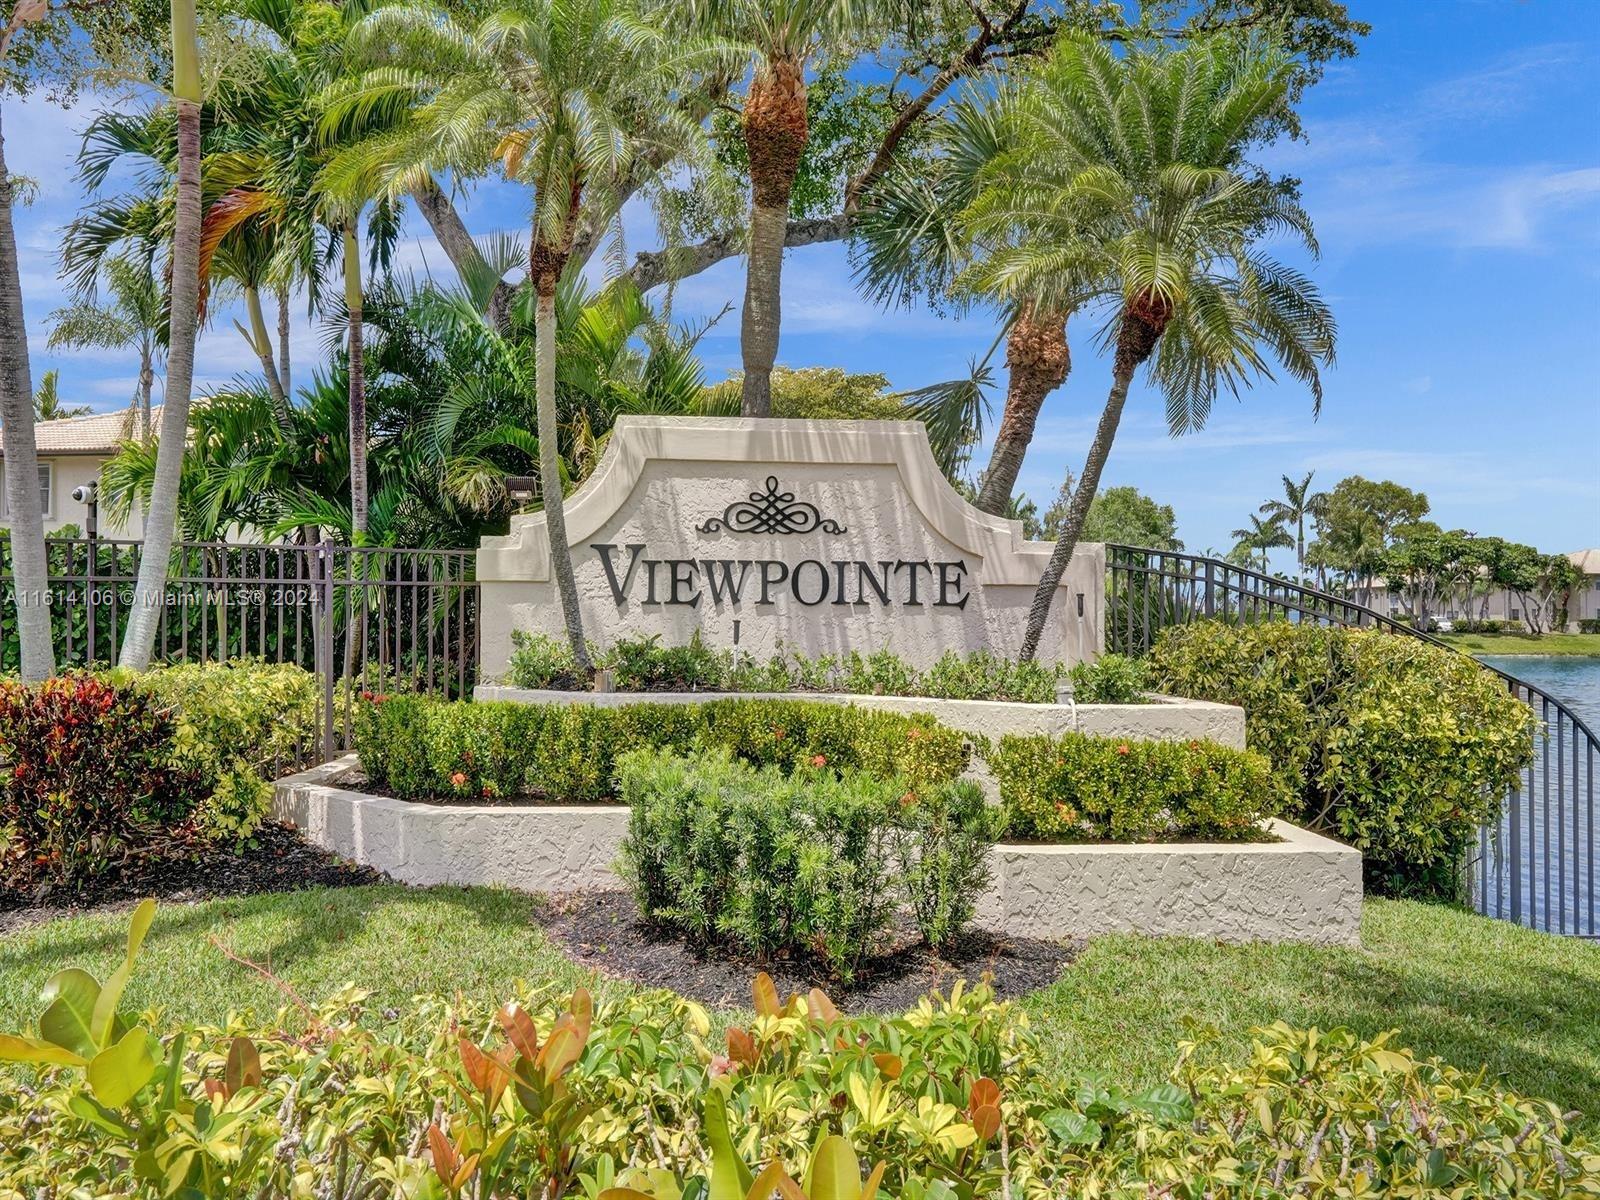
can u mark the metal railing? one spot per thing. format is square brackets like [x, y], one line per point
[1535, 865]
[374, 616]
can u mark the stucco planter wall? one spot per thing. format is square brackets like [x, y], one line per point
[1166, 718]
[1301, 888]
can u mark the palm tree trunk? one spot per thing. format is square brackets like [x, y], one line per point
[147, 378]
[162, 520]
[283, 340]
[1038, 361]
[775, 131]
[555, 514]
[1140, 328]
[29, 565]
[358, 387]
[261, 343]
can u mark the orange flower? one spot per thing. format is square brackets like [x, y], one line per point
[459, 779]
[819, 760]
[1122, 749]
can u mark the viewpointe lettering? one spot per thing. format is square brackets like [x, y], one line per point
[912, 583]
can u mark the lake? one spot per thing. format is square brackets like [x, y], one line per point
[1570, 679]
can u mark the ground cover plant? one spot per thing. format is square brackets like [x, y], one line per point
[813, 862]
[419, 748]
[1082, 788]
[550, 1090]
[644, 664]
[1397, 747]
[100, 770]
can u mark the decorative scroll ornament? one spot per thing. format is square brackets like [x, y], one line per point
[771, 511]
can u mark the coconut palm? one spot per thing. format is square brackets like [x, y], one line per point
[912, 238]
[1129, 193]
[1299, 503]
[161, 518]
[783, 36]
[132, 317]
[1262, 535]
[564, 96]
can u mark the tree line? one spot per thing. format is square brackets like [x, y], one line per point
[1051, 162]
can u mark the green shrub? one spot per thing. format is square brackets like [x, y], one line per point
[1589, 625]
[88, 776]
[945, 835]
[424, 749]
[1082, 788]
[773, 863]
[564, 1095]
[1110, 679]
[643, 664]
[539, 661]
[757, 859]
[239, 725]
[1396, 746]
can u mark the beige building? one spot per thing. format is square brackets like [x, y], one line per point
[1583, 603]
[72, 453]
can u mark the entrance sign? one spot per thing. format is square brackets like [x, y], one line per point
[820, 537]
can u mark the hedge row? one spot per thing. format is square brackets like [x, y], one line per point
[563, 1096]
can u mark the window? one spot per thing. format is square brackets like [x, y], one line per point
[1516, 614]
[46, 479]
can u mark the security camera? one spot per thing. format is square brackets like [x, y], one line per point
[85, 493]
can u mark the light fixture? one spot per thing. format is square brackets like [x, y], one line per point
[523, 489]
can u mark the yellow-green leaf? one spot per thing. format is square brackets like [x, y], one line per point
[118, 1072]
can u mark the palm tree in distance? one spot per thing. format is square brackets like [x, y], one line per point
[47, 404]
[1262, 535]
[783, 36]
[1299, 502]
[563, 96]
[1129, 192]
[133, 317]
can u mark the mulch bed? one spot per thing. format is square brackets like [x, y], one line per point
[281, 862]
[602, 931]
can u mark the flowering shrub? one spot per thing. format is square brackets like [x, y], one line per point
[558, 1095]
[1082, 788]
[425, 749]
[88, 776]
[1396, 746]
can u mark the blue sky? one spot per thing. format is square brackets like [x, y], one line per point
[1453, 172]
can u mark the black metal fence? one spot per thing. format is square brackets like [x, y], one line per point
[1536, 864]
[358, 616]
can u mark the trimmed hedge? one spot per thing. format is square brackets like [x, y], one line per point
[814, 863]
[1082, 788]
[1396, 746]
[565, 1096]
[419, 748]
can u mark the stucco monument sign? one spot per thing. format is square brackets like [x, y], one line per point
[816, 536]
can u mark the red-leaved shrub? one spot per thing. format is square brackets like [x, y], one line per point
[87, 776]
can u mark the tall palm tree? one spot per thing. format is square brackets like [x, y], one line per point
[783, 35]
[564, 96]
[1264, 536]
[1299, 503]
[133, 317]
[912, 238]
[1130, 192]
[161, 519]
[47, 404]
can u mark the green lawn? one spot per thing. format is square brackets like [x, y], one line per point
[1474, 991]
[1586, 645]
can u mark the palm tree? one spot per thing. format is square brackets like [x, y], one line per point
[47, 404]
[144, 614]
[913, 239]
[1263, 536]
[1299, 502]
[1129, 192]
[134, 317]
[29, 571]
[564, 96]
[783, 36]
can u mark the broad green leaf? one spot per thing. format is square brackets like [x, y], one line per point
[1167, 1102]
[118, 1072]
[1071, 1128]
[69, 1010]
[835, 1171]
[105, 1008]
[35, 1050]
[85, 1106]
[730, 1178]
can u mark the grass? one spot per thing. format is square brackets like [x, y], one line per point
[1583, 645]
[1523, 1005]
